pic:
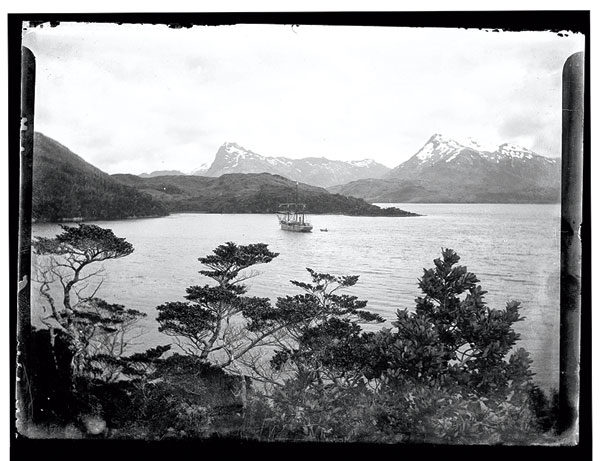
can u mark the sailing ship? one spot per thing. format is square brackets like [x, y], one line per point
[291, 216]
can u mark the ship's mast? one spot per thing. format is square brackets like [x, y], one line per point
[296, 204]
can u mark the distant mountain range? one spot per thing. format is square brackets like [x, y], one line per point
[316, 171]
[443, 170]
[447, 171]
[65, 186]
[162, 173]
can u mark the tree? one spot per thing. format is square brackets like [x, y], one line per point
[444, 374]
[90, 324]
[454, 339]
[206, 323]
[219, 324]
[323, 339]
[318, 371]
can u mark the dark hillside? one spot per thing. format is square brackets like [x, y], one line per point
[247, 193]
[65, 186]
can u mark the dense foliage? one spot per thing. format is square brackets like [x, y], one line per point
[302, 368]
[452, 340]
[65, 187]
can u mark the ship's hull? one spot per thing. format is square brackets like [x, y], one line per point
[296, 227]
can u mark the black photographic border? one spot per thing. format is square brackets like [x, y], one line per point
[494, 21]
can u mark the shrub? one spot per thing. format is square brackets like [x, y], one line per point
[438, 414]
[454, 339]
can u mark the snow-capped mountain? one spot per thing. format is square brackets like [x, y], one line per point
[201, 170]
[316, 171]
[440, 150]
[448, 170]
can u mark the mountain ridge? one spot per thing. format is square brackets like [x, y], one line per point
[447, 171]
[316, 171]
[440, 148]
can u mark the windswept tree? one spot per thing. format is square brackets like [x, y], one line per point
[321, 338]
[69, 278]
[207, 324]
[219, 324]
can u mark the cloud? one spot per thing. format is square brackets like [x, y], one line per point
[137, 98]
[522, 124]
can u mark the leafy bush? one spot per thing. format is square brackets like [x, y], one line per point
[446, 374]
[438, 414]
[453, 339]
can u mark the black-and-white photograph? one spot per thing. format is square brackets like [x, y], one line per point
[289, 232]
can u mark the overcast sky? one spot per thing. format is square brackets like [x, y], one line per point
[138, 98]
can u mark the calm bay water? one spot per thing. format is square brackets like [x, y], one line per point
[513, 249]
